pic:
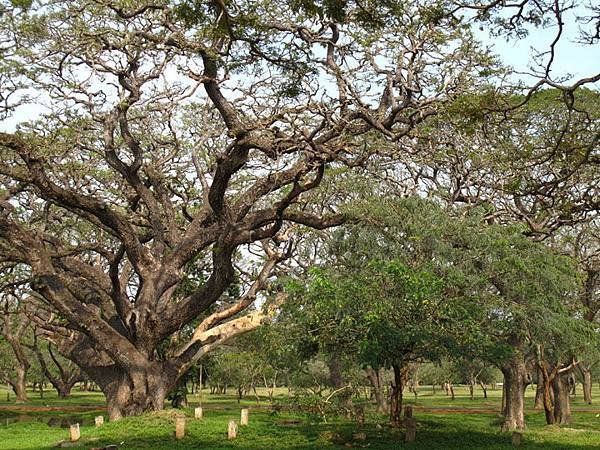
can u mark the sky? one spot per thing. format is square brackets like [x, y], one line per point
[571, 59]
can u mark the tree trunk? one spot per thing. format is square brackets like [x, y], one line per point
[539, 395]
[336, 378]
[19, 385]
[503, 403]
[375, 379]
[135, 393]
[484, 389]
[396, 395]
[562, 407]
[64, 390]
[587, 384]
[539, 390]
[546, 389]
[515, 382]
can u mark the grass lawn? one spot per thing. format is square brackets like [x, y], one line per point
[269, 430]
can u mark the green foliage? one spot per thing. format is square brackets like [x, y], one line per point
[412, 281]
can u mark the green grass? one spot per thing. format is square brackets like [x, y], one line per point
[268, 430]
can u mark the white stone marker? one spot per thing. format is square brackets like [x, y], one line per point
[75, 433]
[198, 413]
[232, 430]
[179, 427]
[244, 417]
[99, 421]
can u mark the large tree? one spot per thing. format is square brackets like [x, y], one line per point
[174, 135]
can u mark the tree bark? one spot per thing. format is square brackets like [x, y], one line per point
[562, 406]
[400, 374]
[64, 391]
[587, 383]
[19, 384]
[484, 389]
[131, 390]
[135, 393]
[375, 380]
[336, 377]
[545, 381]
[515, 381]
[503, 403]
[539, 390]
[14, 338]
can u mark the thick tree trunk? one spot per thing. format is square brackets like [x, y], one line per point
[539, 395]
[548, 399]
[131, 394]
[375, 380]
[396, 395]
[336, 378]
[587, 384]
[562, 407]
[539, 390]
[64, 391]
[19, 385]
[515, 382]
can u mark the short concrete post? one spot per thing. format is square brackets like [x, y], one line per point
[179, 427]
[517, 438]
[232, 430]
[198, 413]
[75, 433]
[99, 421]
[408, 412]
[411, 429]
[244, 417]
